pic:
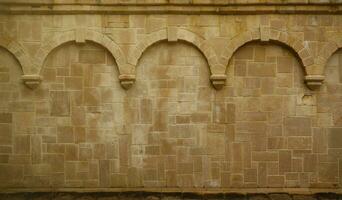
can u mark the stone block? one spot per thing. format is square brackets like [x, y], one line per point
[271, 103]
[160, 120]
[92, 56]
[299, 142]
[146, 111]
[60, 103]
[280, 196]
[303, 197]
[328, 172]
[240, 68]
[71, 152]
[250, 175]
[335, 137]
[22, 144]
[65, 134]
[276, 181]
[73, 83]
[104, 173]
[245, 53]
[261, 69]
[78, 116]
[257, 196]
[297, 126]
[264, 156]
[285, 161]
[199, 117]
[5, 134]
[92, 96]
[5, 117]
[276, 143]
[24, 119]
[284, 64]
[36, 149]
[168, 146]
[99, 151]
[11, 173]
[4, 77]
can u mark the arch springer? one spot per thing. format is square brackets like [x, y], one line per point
[313, 81]
[127, 80]
[31, 81]
[218, 80]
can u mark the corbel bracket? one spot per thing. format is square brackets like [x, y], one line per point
[218, 80]
[127, 80]
[31, 81]
[314, 81]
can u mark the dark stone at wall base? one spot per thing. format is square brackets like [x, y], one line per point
[280, 196]
[190, 196]
[258, 197]
[303, 197]
[327, 196]
[64, 196]
[131, 195]
[151, 195]
[170, 196]
[214, 196]
[18, 196]
[40, 196]
[235, 196]
[109, 196]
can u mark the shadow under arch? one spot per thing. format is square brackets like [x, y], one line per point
[183, 35]
[89, 35]
[274, 36]
[19, 53]
[289, 53]
[327, 52]
[160, 59]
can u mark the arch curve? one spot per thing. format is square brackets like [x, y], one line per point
[327, 51]
[271, 35]
[80, 36]
[174, 35]
[19, 53]
[266, 34]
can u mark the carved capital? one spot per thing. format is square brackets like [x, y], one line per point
[314, 81]
[218, 80]
[31, 81]
[127, 80]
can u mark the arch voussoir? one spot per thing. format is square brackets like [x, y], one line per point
[73, 35]
[266, 34]
[176, 34]
[19, 52]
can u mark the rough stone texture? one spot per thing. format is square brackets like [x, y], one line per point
[156, 196]
[80, 129]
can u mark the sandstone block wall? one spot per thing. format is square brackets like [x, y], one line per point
[93, 99]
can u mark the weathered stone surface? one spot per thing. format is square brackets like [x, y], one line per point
[60, 103]
[162, 195]
[335, 138]
[280, 196]
[303, 197]
[257, 197]
[170, 129]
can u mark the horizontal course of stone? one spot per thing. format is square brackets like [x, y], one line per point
[166, 196]
[75, 127]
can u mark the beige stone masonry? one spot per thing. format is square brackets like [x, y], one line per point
[217, 61]
[171, 96]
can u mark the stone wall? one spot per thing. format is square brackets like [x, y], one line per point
[165, 196]
[182, 101]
